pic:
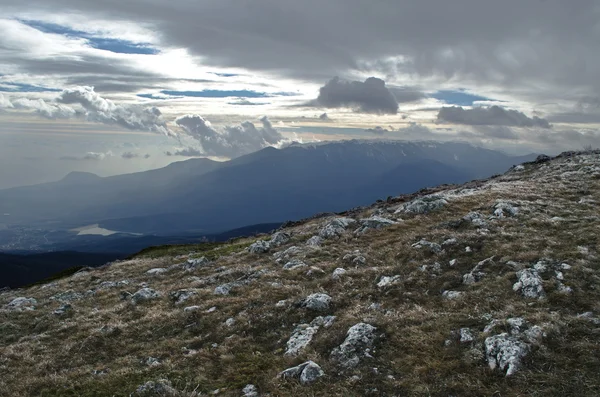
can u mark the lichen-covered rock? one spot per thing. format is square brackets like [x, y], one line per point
[503, 209]
[259, 247]
[356, 258]
[338, 273]
[374, 222]
[250, 390]
[336, 227]
[466, 336]
[182, 295]
[286, 255]
[529, 284]
[387, 281]
[321, 321]
[67, 296]
[63, 309]
[423, 205]
[223, 289]
[144, 294]
[159, 388]
[307, 373]
[22, 304]
[358, 344]
[294, 264]
[318, 302]
[301, 337]
[194, 263]
[156, 271]
[433, 247]
[279, 238]
[314, 241]
[505, 352]
[451, 295]
[476, 274]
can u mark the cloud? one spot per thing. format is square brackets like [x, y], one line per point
[245, 102]
[185, 152]
[232, 141]
[5, 103]
[99, 109]
[132, 155]
[89, 156]
[377, 130]
[84, 102]
[370, 96]
[494, 115]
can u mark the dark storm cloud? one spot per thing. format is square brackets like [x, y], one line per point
[493, 115]
[370, 96]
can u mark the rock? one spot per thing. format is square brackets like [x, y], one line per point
[449, 242]
[518, 168]
[529, 284]
[250, 391]
[387, 281]
[336, 227]
[223, 289]
[466, 336]
[63, 309]
[314, 241]
[194, 263]
[359, 341]
[505, 352]
[301, 337]
[281, 303]
[476, 274]
[160, 388]
[450, 295]
[321, 321]
[156, 271]
[374, 222]
[356, 258]
[307, 373]
[144, 294]
[453, 262]
[542, 158]
[67, 296]
[423, 205]
[230, 322]
[211, 310]
[279, 238]
[152, 362]
[294, 264]
[503, 209]
[191, 309]
[338, 273]
[318, 302]
[182, 295]
[259, 247]
[433, 247]
[283, 256]
[22, 304]
[314, 270]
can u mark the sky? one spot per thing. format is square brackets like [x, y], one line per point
[113, 87]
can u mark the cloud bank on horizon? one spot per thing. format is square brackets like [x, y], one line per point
[501, 74]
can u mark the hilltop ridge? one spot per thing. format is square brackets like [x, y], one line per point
[487, 288]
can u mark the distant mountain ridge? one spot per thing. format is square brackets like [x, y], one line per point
[272, 185]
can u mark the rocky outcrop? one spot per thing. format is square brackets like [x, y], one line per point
[308, 372]
[358, 344]
[423, 205]
[317, 302]
[144, 294]
[529, 284]
[21, 304]
[336, 227]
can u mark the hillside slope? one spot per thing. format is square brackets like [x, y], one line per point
[489, 288]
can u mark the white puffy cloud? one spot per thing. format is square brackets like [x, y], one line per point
[185, 152]
[5, 103]
[89, 156]
[231, 141]
[493, 115]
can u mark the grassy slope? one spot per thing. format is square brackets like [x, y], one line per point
[43, 354]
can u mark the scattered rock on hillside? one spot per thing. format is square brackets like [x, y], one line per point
[374, 222]
[279, 238]
[359, 342]
[194, 263]
[505, 352]
[294, 264]
[307, 373]
[314, 241]
[336, 227]
[156, 271]
[338, 273]
[318, 302]
[476, 274]
[529, 284]
[162, 388]
[259, 247]
[301, 337]
[250, 391]
[451, 295]
[63, 309]
[144, 294]
[356, 258]
[423, 205]
[503, 209]
[387, 281]
[433, 247]
[67, 296]
[22, 304]
[182, 295]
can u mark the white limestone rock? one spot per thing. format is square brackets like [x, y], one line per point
[451, 295]
[505, 352]
[358, 344]
[423, 205]
[433, 247]
[294, 264]
[144, 294]
[259, 247]
[317, 302]
[156, 271]
[307, 373]
[314, 241]
[22, 304]
[336, 227]
[301, 337]
[388, 281]
[338, 273]
[529, 284]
